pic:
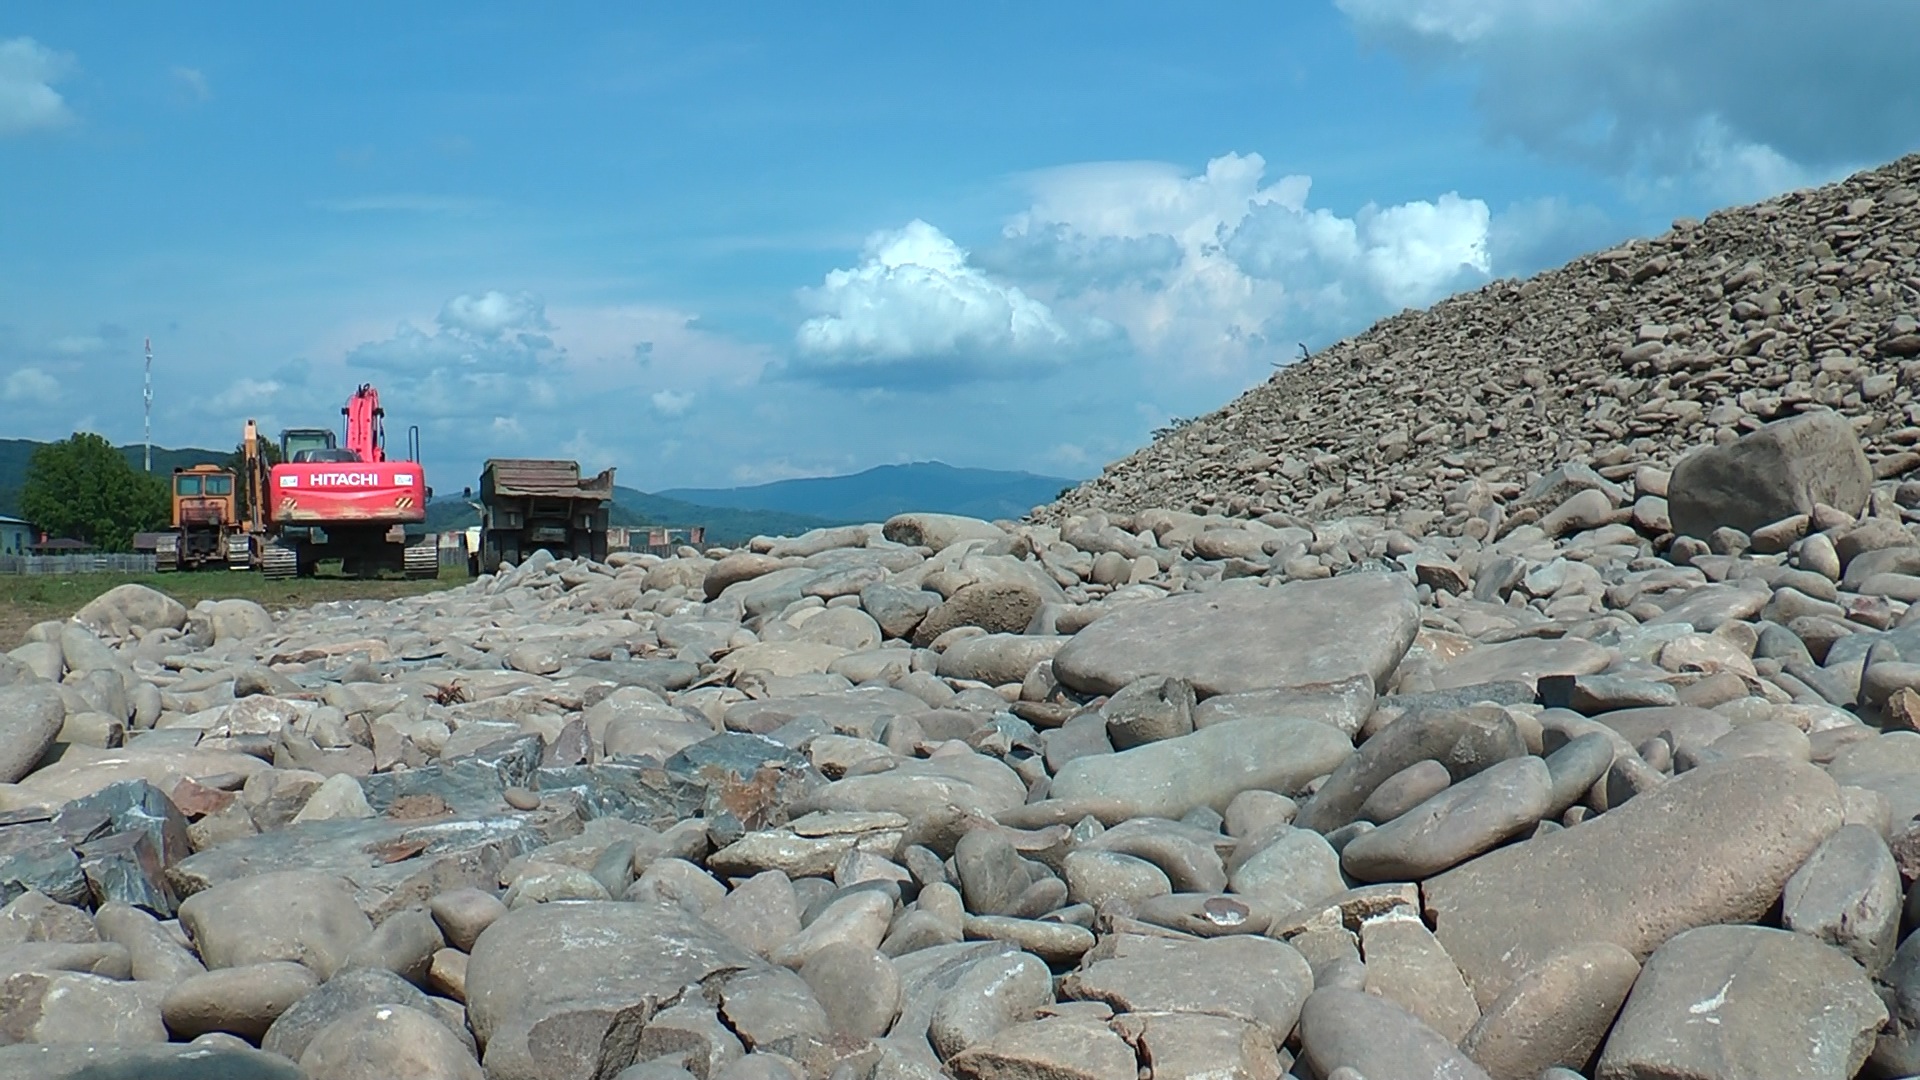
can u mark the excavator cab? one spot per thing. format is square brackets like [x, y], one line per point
[304, 445]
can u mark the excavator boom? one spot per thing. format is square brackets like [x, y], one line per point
[366, 425]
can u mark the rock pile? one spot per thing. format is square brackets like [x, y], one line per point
[1633, 355]
[1560, 792]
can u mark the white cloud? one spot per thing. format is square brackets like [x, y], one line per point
[192, 82]
[1789, 94]
[32, 385]
[1252, 267]
[28, 100]
[494, 313]
[246, 393]
[915, 309]
[507, 426]
[669, 403]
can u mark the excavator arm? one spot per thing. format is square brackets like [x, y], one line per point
[366, 425]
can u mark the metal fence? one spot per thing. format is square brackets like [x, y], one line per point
[76, 564]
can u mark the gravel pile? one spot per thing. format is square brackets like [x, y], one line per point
[1636, 354]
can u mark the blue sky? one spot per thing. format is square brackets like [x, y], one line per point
[771, 240]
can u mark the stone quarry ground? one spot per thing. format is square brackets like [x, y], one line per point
[1528, 689]
[26, 599]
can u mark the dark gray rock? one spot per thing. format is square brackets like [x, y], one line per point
[1779, 1005]
[1783, 469]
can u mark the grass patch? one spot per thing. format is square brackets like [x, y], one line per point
[26, 599]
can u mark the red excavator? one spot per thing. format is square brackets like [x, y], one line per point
[327, 502]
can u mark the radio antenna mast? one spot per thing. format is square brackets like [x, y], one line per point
[147, 395]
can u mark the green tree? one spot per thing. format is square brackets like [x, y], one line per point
[236, 463]
[82, 488]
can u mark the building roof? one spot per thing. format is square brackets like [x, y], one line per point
[5, 520]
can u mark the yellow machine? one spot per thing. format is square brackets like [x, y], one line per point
[205, 520]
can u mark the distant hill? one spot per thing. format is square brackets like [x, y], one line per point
[15, 453]
[879, 493]
[726, 526]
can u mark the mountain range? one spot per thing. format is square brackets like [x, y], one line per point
[731, 515]
[879, 493]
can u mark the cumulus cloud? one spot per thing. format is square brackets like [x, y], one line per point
[916, 310]
[28, 101]
[31, 385]
[669, 403]
[1219, 272]
[493, 314]
[1789, 94]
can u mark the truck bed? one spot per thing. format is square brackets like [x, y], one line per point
[543, 479]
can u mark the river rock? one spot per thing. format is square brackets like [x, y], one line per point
[31, 715]
[302, 916]
[548, 983]
[1206, 768]
[1555, 1014]
[1466, 819]
[1243, 637]
[1787, 467]
[1713, 845]
[388, 1042]
[1744, 1001]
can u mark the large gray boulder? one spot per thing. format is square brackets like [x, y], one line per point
[1781, 470]
[938, 531]
[553, 989]
[1727, 1001]
[1243, 636]
[126, 609]
[307, 917]
[1713, 845]
[31, 714]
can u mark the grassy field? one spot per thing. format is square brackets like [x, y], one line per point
[29, 599]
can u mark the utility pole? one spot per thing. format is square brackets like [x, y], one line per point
[147, 394]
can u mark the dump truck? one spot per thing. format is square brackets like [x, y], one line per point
[530, 504]
[204, 521]
[352, 503]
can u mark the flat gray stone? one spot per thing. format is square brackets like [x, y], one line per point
[1242, 636]
[1727, 1001]
[1255, 979]
[1713, 845]
[1365, 1035]
[546, 984]
[1207, 768]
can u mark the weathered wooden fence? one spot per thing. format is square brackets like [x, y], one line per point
[76, 564]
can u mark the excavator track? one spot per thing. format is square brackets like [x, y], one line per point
[279, 562]
[239, 552]
[422, 562]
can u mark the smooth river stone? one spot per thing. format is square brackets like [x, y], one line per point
[1710, 846]
[1468, 818]
[1243, 636]
[1206, 768]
